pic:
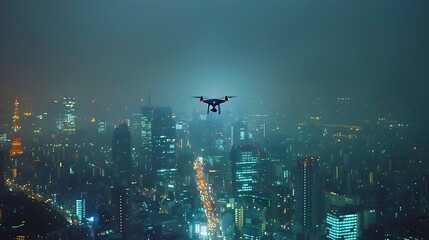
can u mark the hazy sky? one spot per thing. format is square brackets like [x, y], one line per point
[124, 49]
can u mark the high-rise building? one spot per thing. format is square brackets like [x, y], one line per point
[245, 168]
[102, 127]
[182, 133]
[121, 150]
[69, 117]
[122, 209]
[135, 126]
[146, 137]
[239, 133]
[342, 224]
[166, 182]
[81, 210]
[239, 216]
[16, 148]
[306, 191]
[163, 137]
[121, 194]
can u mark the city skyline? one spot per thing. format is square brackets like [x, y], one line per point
[323, 131]
[251, 173]
[267, 51]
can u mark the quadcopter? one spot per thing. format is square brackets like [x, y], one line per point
[214, 102]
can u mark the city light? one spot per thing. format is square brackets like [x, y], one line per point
[206, 195]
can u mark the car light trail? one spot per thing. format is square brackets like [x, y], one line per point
[213, 225]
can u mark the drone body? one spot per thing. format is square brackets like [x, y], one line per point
[214, 102]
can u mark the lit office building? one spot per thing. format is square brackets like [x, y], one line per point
[102, 127]
[166, 182]
[163, 139]
[81, 207]
[342, 224]
[158, 142]
[182, 133]
[69, 117]
[245, 165]
[239, 133]
[80, 210]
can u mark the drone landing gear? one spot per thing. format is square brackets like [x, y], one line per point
[213, 109]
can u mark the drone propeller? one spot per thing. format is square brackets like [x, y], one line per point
[199, 97]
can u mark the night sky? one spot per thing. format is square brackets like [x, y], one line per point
[255, 49]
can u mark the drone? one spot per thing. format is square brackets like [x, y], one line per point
[214, 102]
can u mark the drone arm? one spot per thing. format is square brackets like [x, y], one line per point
[208, 108]
[219, 108]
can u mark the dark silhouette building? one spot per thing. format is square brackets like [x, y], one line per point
[121, 151]
[122, 210]
[121, 202]
[309, 194]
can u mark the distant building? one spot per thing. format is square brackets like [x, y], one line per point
[121, 202]
[102, 127]
[69, 115]
[240, 133]
[163, 137]
[16, 146]
[146, 132]
[158, 142]
[182, 133]
[121, 151]
[309, 197]
[122, 210]
[245, 168]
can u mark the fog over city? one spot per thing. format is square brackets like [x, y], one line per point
[268, 50]
[214, 119]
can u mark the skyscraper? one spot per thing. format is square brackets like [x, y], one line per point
[122, 209]
[121, 194]
[306, 191]
[163, 139]
[81, 209]
[121, 150]
[69, 115]
[163, 143]
[146, 146]
[240, 133]
[245, 168]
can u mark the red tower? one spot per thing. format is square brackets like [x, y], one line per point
[16, 148]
